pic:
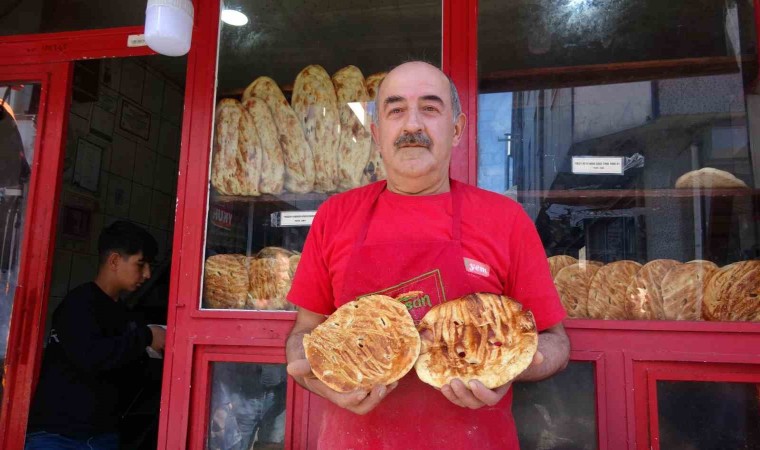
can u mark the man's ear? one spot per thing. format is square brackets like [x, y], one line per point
[459, 126]
[113, 260]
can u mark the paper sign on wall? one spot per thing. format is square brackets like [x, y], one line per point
[598, 165]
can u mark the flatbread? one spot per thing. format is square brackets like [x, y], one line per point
[375, 169]
[236, 163]
[683, 290]
[299, 161]
[225, 282]
[270, 282]
[272, 162]
[293, 263]
[373, 84]
[644, 296]
[558, 262]
[355, 137]
[572, 283]
[483, 337]
[733, 293]
[707, 178]
[366, 342]
[606, 294]
[316, 107]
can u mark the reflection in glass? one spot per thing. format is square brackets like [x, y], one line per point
[638, 152]
[247, 409]
[558, 413]
[18, 132]
[708, 416]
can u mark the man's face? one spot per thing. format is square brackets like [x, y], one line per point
[132, 271]
[416, 130]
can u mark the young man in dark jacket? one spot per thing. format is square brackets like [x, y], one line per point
[94, 351]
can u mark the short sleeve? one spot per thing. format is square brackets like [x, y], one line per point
[530, 281]
[311, 288]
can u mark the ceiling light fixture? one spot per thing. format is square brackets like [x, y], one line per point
[234, 18]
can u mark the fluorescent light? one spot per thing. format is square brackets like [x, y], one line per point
[235, 18]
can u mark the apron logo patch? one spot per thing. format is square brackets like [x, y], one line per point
[418, 294]
[415, 299]
[477, 267]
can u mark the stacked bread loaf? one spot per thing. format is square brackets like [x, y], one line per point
[663, 289]
[319, 142]
[259, 282]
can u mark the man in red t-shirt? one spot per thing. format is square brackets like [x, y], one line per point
[421, 231]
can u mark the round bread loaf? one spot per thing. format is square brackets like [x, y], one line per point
[225, 282]
[707, 178]
[559, 262]
[644, 295]
[366, 342]
[269, 277]
[572, 283]
[734, 293]
[683, 290]
[606, 295]
[714, 304]
[483, 337]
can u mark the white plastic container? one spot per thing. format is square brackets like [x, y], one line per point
[169, 26]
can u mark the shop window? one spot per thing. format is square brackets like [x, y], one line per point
[629, 133]
[295, 86]
[558, 413]
[46, 16]
[708, 415]
[247, 407]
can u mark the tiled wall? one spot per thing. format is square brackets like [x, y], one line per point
[138, 167]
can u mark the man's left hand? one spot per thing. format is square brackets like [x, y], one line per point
[477, 395]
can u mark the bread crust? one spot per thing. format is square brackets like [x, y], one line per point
[572, 283]
[707, 178]
[644, 294]
[225, 282]
[606, 296]
[355, 138]
[683, 290]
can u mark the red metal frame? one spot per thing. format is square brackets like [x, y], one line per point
[27, 324]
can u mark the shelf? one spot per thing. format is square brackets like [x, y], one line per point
[613, 194]
[285, 197]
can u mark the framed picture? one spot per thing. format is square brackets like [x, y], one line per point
[76, 222]
[87, 165]
[134, 120]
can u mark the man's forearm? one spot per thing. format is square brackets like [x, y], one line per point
[555, 348]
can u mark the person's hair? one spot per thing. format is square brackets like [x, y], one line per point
[126, 239]
[456, 105]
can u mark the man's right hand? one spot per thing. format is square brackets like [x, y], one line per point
[159, 337]
[359, 401]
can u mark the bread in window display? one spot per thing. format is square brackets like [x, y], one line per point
[558, 262]
[236, 163]
[644, 294]
[298, 158]
[482, 336]
[355, 138]
[373, 84]
[375, 170]
[572, 283]
[733, 293]
[683, 290]
[294, 260]
[606, 296]
[225, 282]
[316, 106]
[269, 278]
[709, 178]
[272, 163]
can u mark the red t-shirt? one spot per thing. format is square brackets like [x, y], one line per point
[497, 235]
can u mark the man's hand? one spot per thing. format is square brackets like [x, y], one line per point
[478, 396]
[359, 401]
[159, 338]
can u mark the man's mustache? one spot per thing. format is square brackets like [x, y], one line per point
[418, 138]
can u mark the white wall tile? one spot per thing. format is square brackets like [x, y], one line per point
[162, 211]
[173, 103]
[110, 72]
[59, 281]
[166, 175]
[153, 93]
[119, 190]
[163, 238]
[122, 156]
[84, 268]
[169, 142]
[132, 79]
[139, 210]
[145, 166]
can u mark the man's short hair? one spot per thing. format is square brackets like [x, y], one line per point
[126, 239]
[456, 104]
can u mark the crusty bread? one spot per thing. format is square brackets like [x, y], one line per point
[293, 262]
[644, 295]
[236, 163]
[683, 289]
[316, 107]
[483, 337]
[225, 282]
[606, 295]
[272, 162]
[558, 262]
[733, 293]
[299, 161]
[369, 341]
[707, 178]
[355, 138]
[375, 169]
[373, 84]
[572, 283]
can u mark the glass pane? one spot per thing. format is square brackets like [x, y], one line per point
[45, 16]
[708, 416]
[295, 86]
[558, 413]
[19, 105]
[247, 409]
[638, 159]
